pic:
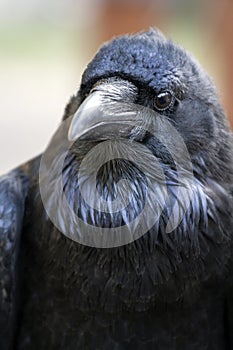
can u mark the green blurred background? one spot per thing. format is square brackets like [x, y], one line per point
[45, 46]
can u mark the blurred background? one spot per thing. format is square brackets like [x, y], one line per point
[45, 46]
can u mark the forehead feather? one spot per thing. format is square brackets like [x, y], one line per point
[151, 59]
[146, 57]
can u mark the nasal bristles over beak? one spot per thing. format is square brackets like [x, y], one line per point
[108, 112]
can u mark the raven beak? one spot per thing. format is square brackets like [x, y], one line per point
[103, 116]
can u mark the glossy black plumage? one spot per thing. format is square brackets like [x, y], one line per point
[165, 290]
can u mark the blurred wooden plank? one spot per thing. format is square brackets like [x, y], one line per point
[222, 37]
[120, 17]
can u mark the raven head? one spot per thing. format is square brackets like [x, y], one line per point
[134, 80]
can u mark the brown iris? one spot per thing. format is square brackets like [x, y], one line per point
[163, 100]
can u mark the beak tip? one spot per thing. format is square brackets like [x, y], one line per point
[72, 136]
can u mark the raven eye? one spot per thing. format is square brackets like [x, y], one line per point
[163, 100]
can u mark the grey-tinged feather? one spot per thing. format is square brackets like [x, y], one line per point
[13, 190]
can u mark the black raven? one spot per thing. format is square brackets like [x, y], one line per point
[120, 235]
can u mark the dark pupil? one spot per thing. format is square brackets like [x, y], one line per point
[163, 100]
